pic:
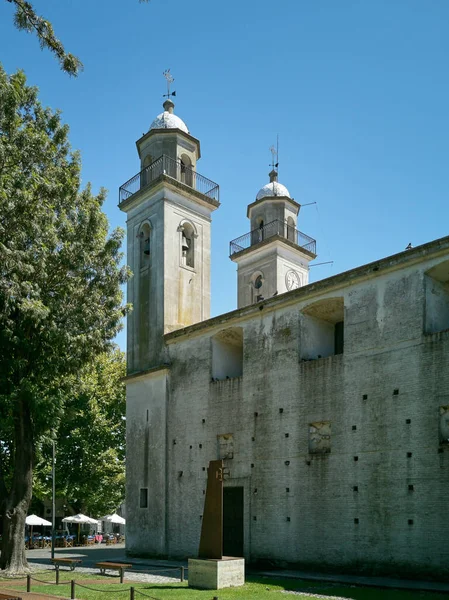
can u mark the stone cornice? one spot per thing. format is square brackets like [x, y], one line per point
[146, 374]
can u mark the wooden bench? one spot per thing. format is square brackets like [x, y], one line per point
[114, 566]
[70, 562]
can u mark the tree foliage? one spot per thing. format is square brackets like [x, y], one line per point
[90, 441]
[26, 19]
[60, 296]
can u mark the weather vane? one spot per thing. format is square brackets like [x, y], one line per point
[170, 79]
[275, 155]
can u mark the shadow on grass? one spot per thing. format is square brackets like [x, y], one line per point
[160, 586]
[348, 591]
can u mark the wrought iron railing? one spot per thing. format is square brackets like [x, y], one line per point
[277, 227]
[175, 169]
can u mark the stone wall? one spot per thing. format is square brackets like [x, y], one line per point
[340, 457]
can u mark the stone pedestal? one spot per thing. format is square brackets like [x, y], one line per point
[215, 574]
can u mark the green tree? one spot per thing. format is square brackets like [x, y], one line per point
[26, 19]
[60, 294]
[90, 440]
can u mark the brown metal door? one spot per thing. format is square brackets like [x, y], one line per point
[233, 521]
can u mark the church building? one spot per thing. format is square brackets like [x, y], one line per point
[328, 402]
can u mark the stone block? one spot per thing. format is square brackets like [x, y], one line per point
[215, 574]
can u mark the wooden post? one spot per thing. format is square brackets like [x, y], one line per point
[122, 570]
[131, 593]
[57, 574]
[72, 589]
[28, 583]
[182, 573]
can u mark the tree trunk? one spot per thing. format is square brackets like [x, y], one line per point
[16, 504]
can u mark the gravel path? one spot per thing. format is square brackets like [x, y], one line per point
[137, 576]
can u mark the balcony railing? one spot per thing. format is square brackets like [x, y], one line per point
[175, 169]
[275, 228]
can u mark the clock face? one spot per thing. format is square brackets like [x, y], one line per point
[292, 280]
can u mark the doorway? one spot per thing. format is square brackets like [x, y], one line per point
[233, 521]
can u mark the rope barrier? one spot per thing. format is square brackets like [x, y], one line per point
[104, 591]
[48, 581]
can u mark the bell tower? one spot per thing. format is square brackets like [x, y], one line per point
[273, 258]
[168, 206]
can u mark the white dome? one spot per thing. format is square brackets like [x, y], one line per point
[168, 120]
[273, 189]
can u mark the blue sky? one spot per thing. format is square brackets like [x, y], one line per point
[358, 92]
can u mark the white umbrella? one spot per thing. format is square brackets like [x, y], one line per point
[80, 518]
[35, 520]
[114, 518]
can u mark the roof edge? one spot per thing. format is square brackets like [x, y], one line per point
[387, 264]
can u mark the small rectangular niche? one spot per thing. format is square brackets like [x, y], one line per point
[320, 437]
[227, 353]
[322, 329]
[143, 498]
[225, 446]
[436, 282]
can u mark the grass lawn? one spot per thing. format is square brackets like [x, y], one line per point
[260, 588]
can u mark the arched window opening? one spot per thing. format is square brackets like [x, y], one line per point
[145, 245]
[257, 281]
[146, 173]
[186, 170]
[322, 327]
[436, 282]
[261, 230]
[227, 354]
[291, 229]
[187, 245]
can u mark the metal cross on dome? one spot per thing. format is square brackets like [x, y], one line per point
[170, 79]
[275, 154]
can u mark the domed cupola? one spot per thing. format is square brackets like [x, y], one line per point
[168, 120]
[273, 257]
[272, 189]
[169, 136]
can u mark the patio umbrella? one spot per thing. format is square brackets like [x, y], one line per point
[35, 520]
[114, 518]
[80, 518]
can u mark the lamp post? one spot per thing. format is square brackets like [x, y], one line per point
[53, 503]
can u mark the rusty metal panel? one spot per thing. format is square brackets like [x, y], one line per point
[211, 541]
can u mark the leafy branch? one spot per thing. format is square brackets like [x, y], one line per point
[26, 19]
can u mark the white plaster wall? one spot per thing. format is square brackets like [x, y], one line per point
[171, 144]
[437, 305]
[274, 260]
[146, 423]
[270, 210]
[227, 359]
[317, 338]
[145, 322]
[187, 290]
[300, 508]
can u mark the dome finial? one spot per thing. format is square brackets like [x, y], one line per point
[273, 175]
[169, 105]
